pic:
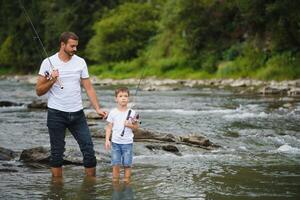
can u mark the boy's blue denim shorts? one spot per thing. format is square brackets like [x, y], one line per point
[121, 154]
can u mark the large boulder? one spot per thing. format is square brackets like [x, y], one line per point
[37, 154]
[38, 104]
[42, 155]
[7, 154]
[9, 104]
[168, 148]
[191, 140]
[197, 140]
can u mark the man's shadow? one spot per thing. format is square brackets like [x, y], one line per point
[122, 191]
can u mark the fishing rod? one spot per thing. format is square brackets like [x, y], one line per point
[40, 42]
[136, 118]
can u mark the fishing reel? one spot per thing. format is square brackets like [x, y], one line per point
[135, 119]
[47, 75]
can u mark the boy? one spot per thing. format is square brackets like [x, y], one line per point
[121, 122]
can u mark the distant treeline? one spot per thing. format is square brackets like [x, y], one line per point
[163, 38]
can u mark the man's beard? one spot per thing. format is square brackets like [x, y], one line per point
[70, 53]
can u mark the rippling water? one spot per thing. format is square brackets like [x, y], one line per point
[259, 157]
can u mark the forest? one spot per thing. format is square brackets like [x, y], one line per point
[178, 39]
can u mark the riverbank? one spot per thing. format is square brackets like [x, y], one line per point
[244, 86]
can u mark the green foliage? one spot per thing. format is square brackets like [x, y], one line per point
[6, 52]
[167, 38]
[249, 60]
[281, 67]
[233, 52]
[123, 33]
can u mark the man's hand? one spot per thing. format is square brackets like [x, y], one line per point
[55, 74]
[102, 113]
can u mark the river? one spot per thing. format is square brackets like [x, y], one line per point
[259, 157]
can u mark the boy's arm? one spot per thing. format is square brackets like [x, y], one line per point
[107, 135]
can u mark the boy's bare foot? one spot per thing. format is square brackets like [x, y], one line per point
[127, 180]
[115, 179]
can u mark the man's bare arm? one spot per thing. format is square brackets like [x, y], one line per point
[86, 83]
[43, 85]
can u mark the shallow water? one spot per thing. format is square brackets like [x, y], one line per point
[259, 156]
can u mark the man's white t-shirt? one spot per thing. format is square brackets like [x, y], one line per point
[69, 98]
[118, 118]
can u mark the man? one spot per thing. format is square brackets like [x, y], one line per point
[60, 77]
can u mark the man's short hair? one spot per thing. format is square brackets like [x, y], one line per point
[65, 36]
[121, 89]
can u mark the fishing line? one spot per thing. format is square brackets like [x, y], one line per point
[138, 86]
[135, 95]
[40, 41]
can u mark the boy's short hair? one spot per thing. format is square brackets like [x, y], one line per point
[121, 89]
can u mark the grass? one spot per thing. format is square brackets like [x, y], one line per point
[280, 66]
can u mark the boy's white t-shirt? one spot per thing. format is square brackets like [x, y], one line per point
[117, 118]
[69, 98]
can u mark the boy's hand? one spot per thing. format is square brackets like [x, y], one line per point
[102, 113]
[128, 124]
[107, 145]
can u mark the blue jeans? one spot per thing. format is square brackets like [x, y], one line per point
[121, 154]
[58, 122]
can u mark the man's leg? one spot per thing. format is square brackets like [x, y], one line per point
[56, 129]
[90, 171]
[81, 133]
[56, 171]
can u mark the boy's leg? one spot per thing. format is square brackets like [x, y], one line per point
[127, 174]
[80, 131]
[116, 161]
[127, 161]
[56, 128]
[116, 173]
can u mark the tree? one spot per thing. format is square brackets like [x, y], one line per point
[123, 32]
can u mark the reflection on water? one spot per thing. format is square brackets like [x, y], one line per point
[56, 188]
[122, 191]
[88, 189]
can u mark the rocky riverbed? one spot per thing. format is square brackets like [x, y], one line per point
[290, 88]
